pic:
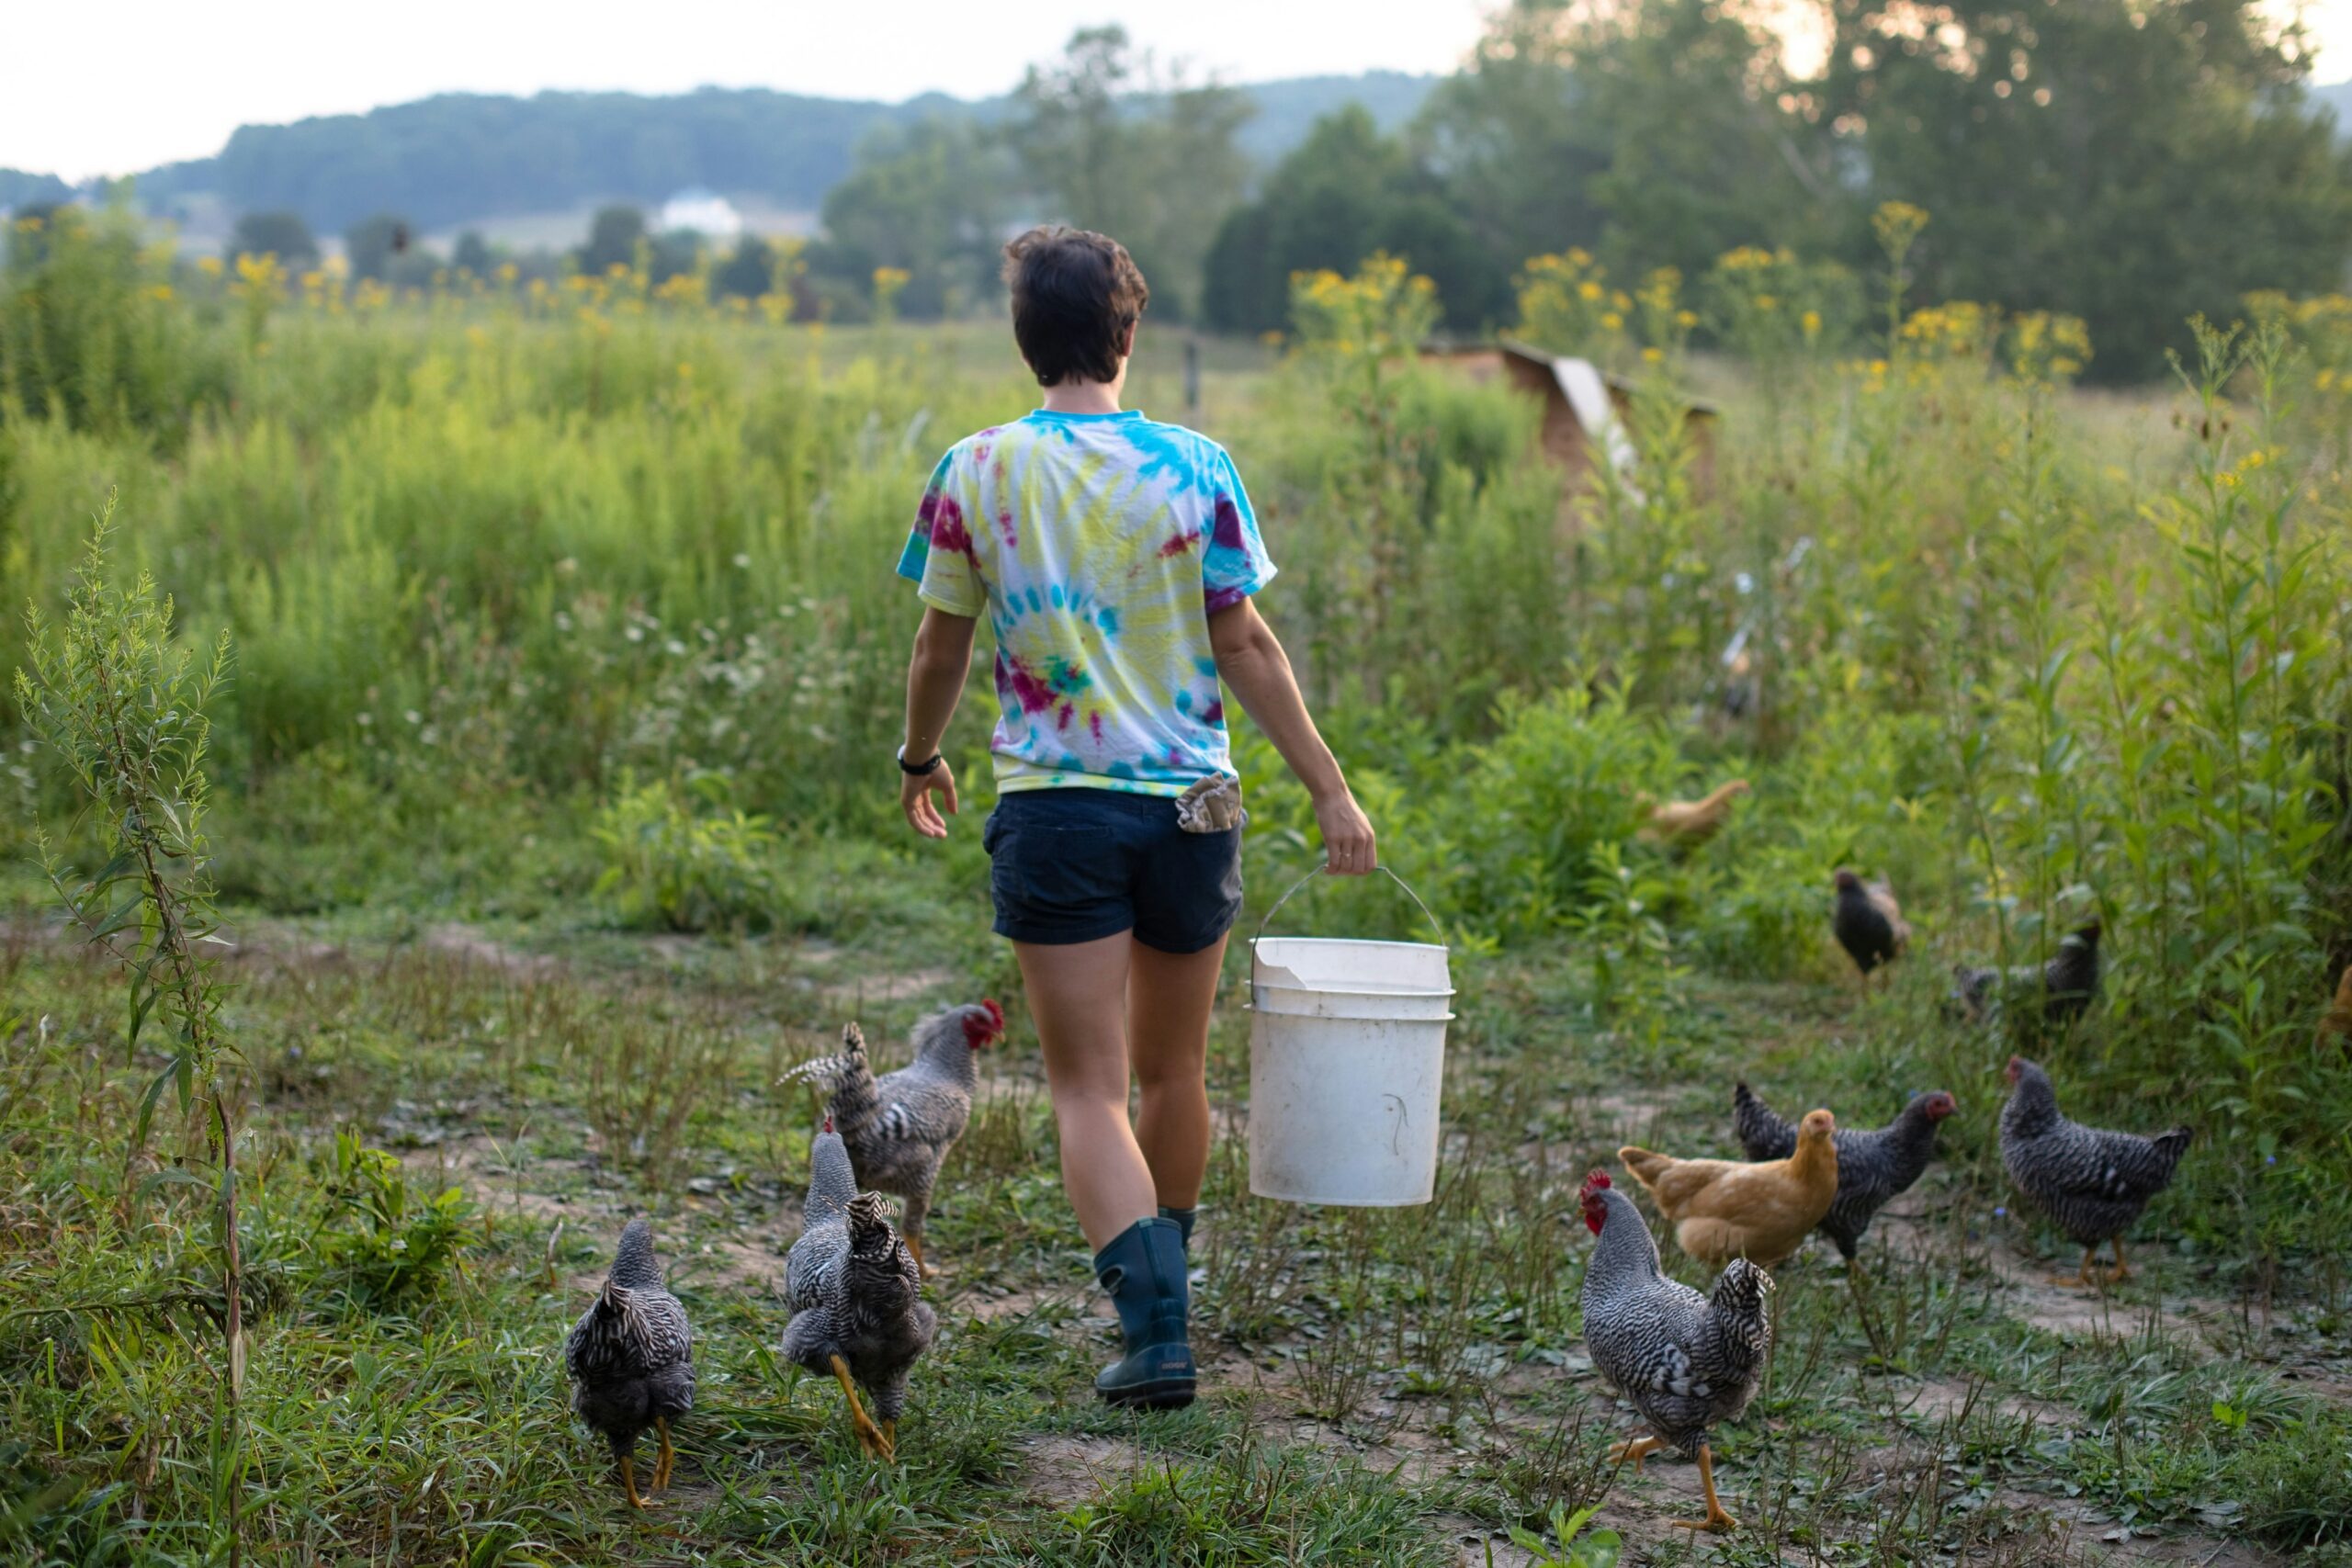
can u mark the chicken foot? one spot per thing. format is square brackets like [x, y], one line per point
[662, 1466]
[1635, 1450]
[1716, 1519]
[628, 1483]
[2091, 1277]
[869, 1435]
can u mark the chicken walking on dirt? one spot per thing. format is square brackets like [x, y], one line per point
[2093, 1182]
[1869, 923]
[854, 1292]
[1685, 1361]
[631, 1361]
[899, 1127]
[1722, 1209]
[1873, 1166]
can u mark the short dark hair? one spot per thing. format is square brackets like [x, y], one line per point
[1075, 295]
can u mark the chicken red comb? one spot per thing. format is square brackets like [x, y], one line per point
[829, 1124]
[996, 1013]
[1594, 1183]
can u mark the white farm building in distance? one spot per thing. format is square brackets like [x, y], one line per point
[703, 212]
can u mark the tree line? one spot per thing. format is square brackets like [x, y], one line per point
[2132, 162]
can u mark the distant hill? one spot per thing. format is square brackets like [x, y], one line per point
[2338, 95]
[446, 161]
[18, 188]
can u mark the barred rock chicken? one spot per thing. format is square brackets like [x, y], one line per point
[2092, 1183]
[2060, 989]
[852, 1287]
[1684, 1360]
[2336, 1023]
[1873, 1167]
[1692, 822]
[631, 1360]
[1869, 923]
[1722, 1209]
[899, 1127]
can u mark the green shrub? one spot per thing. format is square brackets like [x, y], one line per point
[687, 861]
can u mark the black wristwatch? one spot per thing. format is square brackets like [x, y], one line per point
[921, 770]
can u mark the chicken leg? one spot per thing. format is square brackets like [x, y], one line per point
[869, 1435]
[1635, 1450]
[890, 1439]
[628, 1483]
[914, 1250]
[1716, 1519]
[662, 1466]
[2123, 1269]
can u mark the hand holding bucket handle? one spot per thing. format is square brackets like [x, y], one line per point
[1348, 848]
[1392, 876]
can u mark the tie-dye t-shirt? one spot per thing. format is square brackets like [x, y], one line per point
[1098, 545]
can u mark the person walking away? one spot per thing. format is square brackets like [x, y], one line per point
[1114, 558]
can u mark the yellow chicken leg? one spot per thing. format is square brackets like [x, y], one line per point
[662, 1466]
[1634, 1450]
[890, 1439]
[914, 1249]
[2123, 1269]
[869, 1435]
[1716, 1519]
[628, 1483]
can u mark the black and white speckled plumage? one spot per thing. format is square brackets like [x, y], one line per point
[2094, 1184]
[854, 1287]
[1686, 1361]
[1868, 923]
[630, 1355]
[899, 1128]
[1873, 1166]
[2060, 989]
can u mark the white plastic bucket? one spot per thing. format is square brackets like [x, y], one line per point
[1347, 1057]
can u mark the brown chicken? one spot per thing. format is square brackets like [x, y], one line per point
[1722, 1209]
[2336, 1023]
[1684, 823]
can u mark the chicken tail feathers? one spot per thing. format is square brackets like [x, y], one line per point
[834, 1077]
[1739, 1300]
[1646, 1165]
[1759, 1129]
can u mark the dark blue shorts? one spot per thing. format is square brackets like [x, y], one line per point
[1069, 865]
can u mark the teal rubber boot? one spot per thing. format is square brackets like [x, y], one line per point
[1143, 1271]
[1183, 1218]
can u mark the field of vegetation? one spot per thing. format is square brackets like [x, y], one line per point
[541, 815]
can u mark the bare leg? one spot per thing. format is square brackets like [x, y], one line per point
[1169, 997]
[890, 1439]
[1635, 1450]
[869, 1435]
[628, 1483]
[1078, 995]
[2123, 1269]
[1716, 1518]
[662, 1466]
[914, 1250]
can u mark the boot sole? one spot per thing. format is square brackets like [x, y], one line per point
[1167, 1393]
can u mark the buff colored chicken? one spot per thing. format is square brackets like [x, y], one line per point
[2336, 1023]
[1722, 1209]
[1689, 823]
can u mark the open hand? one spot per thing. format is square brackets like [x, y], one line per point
[1347, 847]
[915, 791]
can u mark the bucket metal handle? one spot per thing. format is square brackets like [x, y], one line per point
[1319, 870]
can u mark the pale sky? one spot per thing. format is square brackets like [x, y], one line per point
[109, 86]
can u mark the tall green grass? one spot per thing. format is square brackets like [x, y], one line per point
[504, 569]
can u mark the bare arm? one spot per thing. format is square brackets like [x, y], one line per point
[1250, 661]
[942, 658]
